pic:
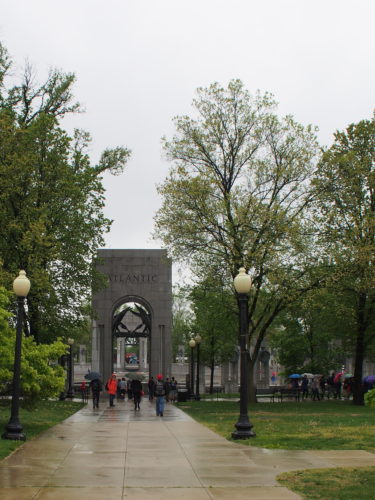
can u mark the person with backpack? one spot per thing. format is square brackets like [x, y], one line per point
[96, 388]
[173, 393]
[160, 395]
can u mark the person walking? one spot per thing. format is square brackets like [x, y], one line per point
[96, 388]
[173, 393]
[305, 387]
[122, 388]
[160, 395]
[136, 388]
[151, 389]
[111, 387]
[315, 389]
[167, 384]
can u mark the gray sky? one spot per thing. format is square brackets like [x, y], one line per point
[138, 63]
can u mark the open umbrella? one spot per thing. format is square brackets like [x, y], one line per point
[348, 375]
[92, 376]
[295, 375]
[370, 379]
[308, 375]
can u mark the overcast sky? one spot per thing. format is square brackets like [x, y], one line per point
[138, 63]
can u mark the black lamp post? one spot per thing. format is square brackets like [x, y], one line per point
[198, 340]
[192, 345]
[70, 393]
[242, 284]
[21, 287]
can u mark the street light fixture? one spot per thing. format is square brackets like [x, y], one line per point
[198, 340]
[21, 287]
[242, 284]
[70, 393]
[192, 345]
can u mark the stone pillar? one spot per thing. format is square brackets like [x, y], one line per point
[118, 354]
[143, 354]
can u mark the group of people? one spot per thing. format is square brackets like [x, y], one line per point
[158, 389]
[319, 386]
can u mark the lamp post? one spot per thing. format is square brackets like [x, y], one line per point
[242, 284]
[198, 340]
[192, 345]
[70, 392]
[21, 287]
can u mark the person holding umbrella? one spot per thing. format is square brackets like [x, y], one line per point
[96, 387]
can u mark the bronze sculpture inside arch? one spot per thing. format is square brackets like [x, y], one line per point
[122, 326]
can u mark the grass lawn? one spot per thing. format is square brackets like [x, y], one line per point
[321, 425]
[45, 415]
[332, 484]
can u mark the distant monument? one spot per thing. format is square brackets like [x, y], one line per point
[133, 313]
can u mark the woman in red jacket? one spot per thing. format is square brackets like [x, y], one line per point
[111, 387]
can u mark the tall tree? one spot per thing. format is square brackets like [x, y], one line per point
[216, 320]
[236, 196]
[182, 318]
[345, 186]
[307, 335]
[51, 200]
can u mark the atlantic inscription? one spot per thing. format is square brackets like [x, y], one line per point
[132, 278]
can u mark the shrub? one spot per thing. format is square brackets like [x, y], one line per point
[41, 376]
[370, 398]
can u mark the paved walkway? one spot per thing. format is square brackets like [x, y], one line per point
[119, 454]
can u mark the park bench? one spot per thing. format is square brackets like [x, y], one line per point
[269, 393]
[286, 393]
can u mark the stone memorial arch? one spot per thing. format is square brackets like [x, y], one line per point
[133, 313]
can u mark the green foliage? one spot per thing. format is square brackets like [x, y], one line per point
[51, 202]
[308, 335]
[237, 194]
[41, 376]
[215, 319]
[345, 212]
[370, 398]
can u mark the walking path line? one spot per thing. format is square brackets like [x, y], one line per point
[121, 454]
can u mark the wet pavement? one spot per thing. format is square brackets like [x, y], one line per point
[121, 454]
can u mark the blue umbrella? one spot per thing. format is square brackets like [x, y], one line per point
[370, 379]
[295, 375]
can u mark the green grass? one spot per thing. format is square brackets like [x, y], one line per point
[322, 425]
[329, 484]
[221, 395]
[45, 415]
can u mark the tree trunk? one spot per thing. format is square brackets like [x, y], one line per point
[212, 368]
[358, 396]
[251, 386]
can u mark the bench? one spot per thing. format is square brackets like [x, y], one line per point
[269, 393]
[290, 394]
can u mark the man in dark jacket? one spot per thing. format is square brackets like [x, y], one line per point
[136, 388]
[96, 388]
